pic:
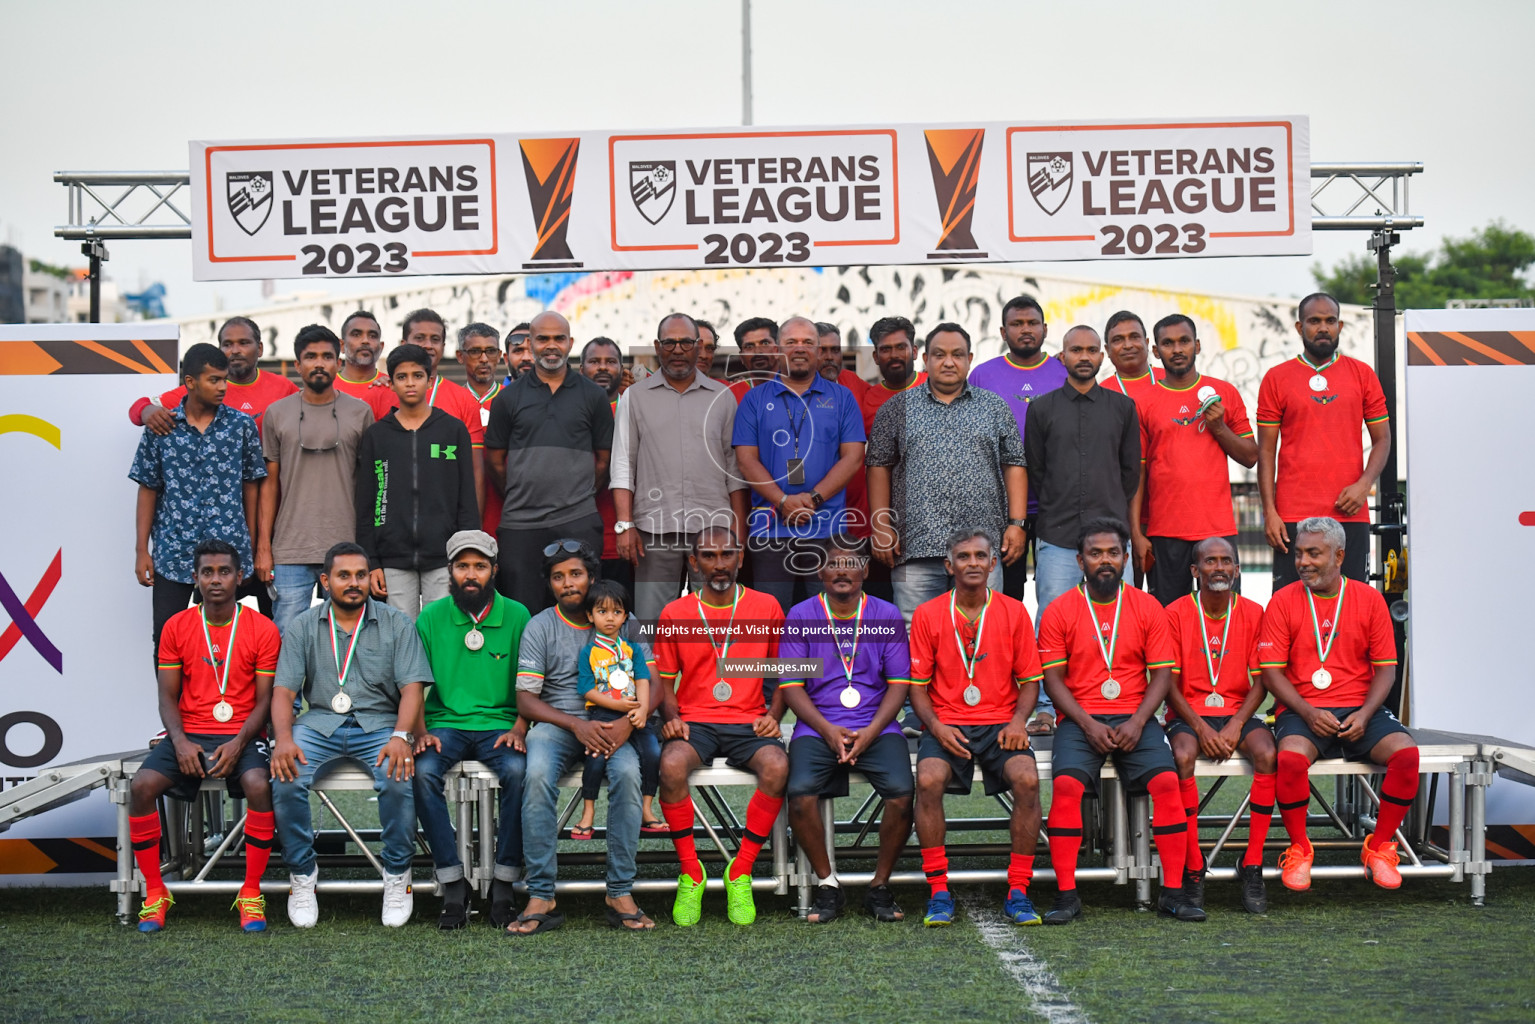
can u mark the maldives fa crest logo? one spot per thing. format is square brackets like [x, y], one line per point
[1050, 180]
[250, 198]
[653, 187]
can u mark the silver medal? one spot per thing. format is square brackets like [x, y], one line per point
[972, 695]
[474, 639]
[1110, 688]
[484, 416]
[1317, 382]
[722, 691]
[1321, 679]
[1215, 700]
[222, 711]
[850, 696]
[341, 703]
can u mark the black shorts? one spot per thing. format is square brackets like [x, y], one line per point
[162, 759]
[1073, 755]
[1381, 724]
[984, 751]
[1177, 725]
[737, 744]
[815, 771]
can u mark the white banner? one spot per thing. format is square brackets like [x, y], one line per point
[905, 194]
[76, 675]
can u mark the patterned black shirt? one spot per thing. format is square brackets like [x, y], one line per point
[945, 465]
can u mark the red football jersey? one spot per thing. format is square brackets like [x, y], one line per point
[1364, 643]
[877, 394]
[256, 644]
[1234, 660]
[1321, 433]
[686, 657]
[1188, 481]
[1069, 635]
[1006, 658]
[1135, 388]
[376, 392]
[456, 401]
[251, 399]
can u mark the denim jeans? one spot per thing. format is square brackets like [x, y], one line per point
[647, 743]
[290, 800]
[921, 579]
[294, 585]
[552, 751]
[432, 805]
[1056, 572]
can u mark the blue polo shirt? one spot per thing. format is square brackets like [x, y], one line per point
[784, 425]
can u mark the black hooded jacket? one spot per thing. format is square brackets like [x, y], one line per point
[415, 489]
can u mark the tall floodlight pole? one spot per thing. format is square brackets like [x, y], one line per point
[746, 61]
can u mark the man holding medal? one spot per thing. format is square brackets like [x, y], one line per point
[472, 638]
[846, 719]
[1316, 403]
[705, 714]
[216, 664]
[1328, 654]
[1108, 658]
[1212, 704]
[360, 665]
[975, 677]
[1190, 425]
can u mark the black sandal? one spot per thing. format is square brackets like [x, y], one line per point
[617, 920]
[545, 923]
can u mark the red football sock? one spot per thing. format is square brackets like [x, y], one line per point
[144, 832]
[1293, 791]
[761, 812]
[680, 817]
[1396, 794]
[935, 864]
[1020, 871]
[1193, 856]
[1169, 826]
[258, 849]
[1065, 829]
[1261, 808]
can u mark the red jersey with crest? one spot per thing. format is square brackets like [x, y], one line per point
[690, 637]
[182, 646]
[1005, 659]
[1069, 636]
[1365, 641]
[1232, 642]
[1188, 480]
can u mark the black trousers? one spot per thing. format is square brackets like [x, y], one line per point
[1015, 577]
[1356, 555]
[520, 572]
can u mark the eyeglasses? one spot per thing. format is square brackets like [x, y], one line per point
[326, 448]
[676, 344]
[575, 547]
[482, 353]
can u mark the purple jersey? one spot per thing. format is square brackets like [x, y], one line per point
[1020, 386]
[883, 657]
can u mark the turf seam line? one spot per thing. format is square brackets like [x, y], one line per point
[1047, 997]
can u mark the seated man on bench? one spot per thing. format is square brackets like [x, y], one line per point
[1328, 654]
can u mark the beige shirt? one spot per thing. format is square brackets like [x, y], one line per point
[674, 452]
[316, 466]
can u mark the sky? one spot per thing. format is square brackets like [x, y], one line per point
[102, 86]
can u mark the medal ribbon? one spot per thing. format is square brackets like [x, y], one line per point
[1337, 620]
[613, 647]
[343, 667]
[234, 626]
[431, 401]
[1319, 369]
[495, 389]
[1212, 666]
[1113, 644]
[980, 628]
[484, 611]
[720, 652]
[847, 662]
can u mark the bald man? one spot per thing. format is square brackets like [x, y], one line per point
[547, 445]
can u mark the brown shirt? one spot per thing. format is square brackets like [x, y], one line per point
[317, 465]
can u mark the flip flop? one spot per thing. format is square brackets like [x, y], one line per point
[616, 920]
[582, 831]
[656, 828]
[546, 923]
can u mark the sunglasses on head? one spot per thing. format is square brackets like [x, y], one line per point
[572, 546]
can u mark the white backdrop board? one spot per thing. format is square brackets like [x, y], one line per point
[759, 197]
[1471, 504]
[76, 676]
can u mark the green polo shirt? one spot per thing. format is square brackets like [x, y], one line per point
[475, 690]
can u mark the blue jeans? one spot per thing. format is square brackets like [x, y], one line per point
[552, 752]
[290, 800]
[294, 585]
[921, 579]
[1056, 572]
[646, 742]
[432, 805]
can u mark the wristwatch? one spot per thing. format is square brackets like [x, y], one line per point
[622, 527]
[1022, 524]
[816, 500]
[400, 735]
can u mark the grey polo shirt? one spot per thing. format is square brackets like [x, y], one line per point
[547, 660]
[389, 655]
[551, 439]
[673, 450]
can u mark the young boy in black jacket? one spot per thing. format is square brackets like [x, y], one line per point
[415, 488]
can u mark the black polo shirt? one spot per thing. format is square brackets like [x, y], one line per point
[1084, 456]
[551, 439]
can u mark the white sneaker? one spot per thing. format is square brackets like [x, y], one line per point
[303, 908]
[398, 901]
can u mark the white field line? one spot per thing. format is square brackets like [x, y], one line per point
[1046, 996]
